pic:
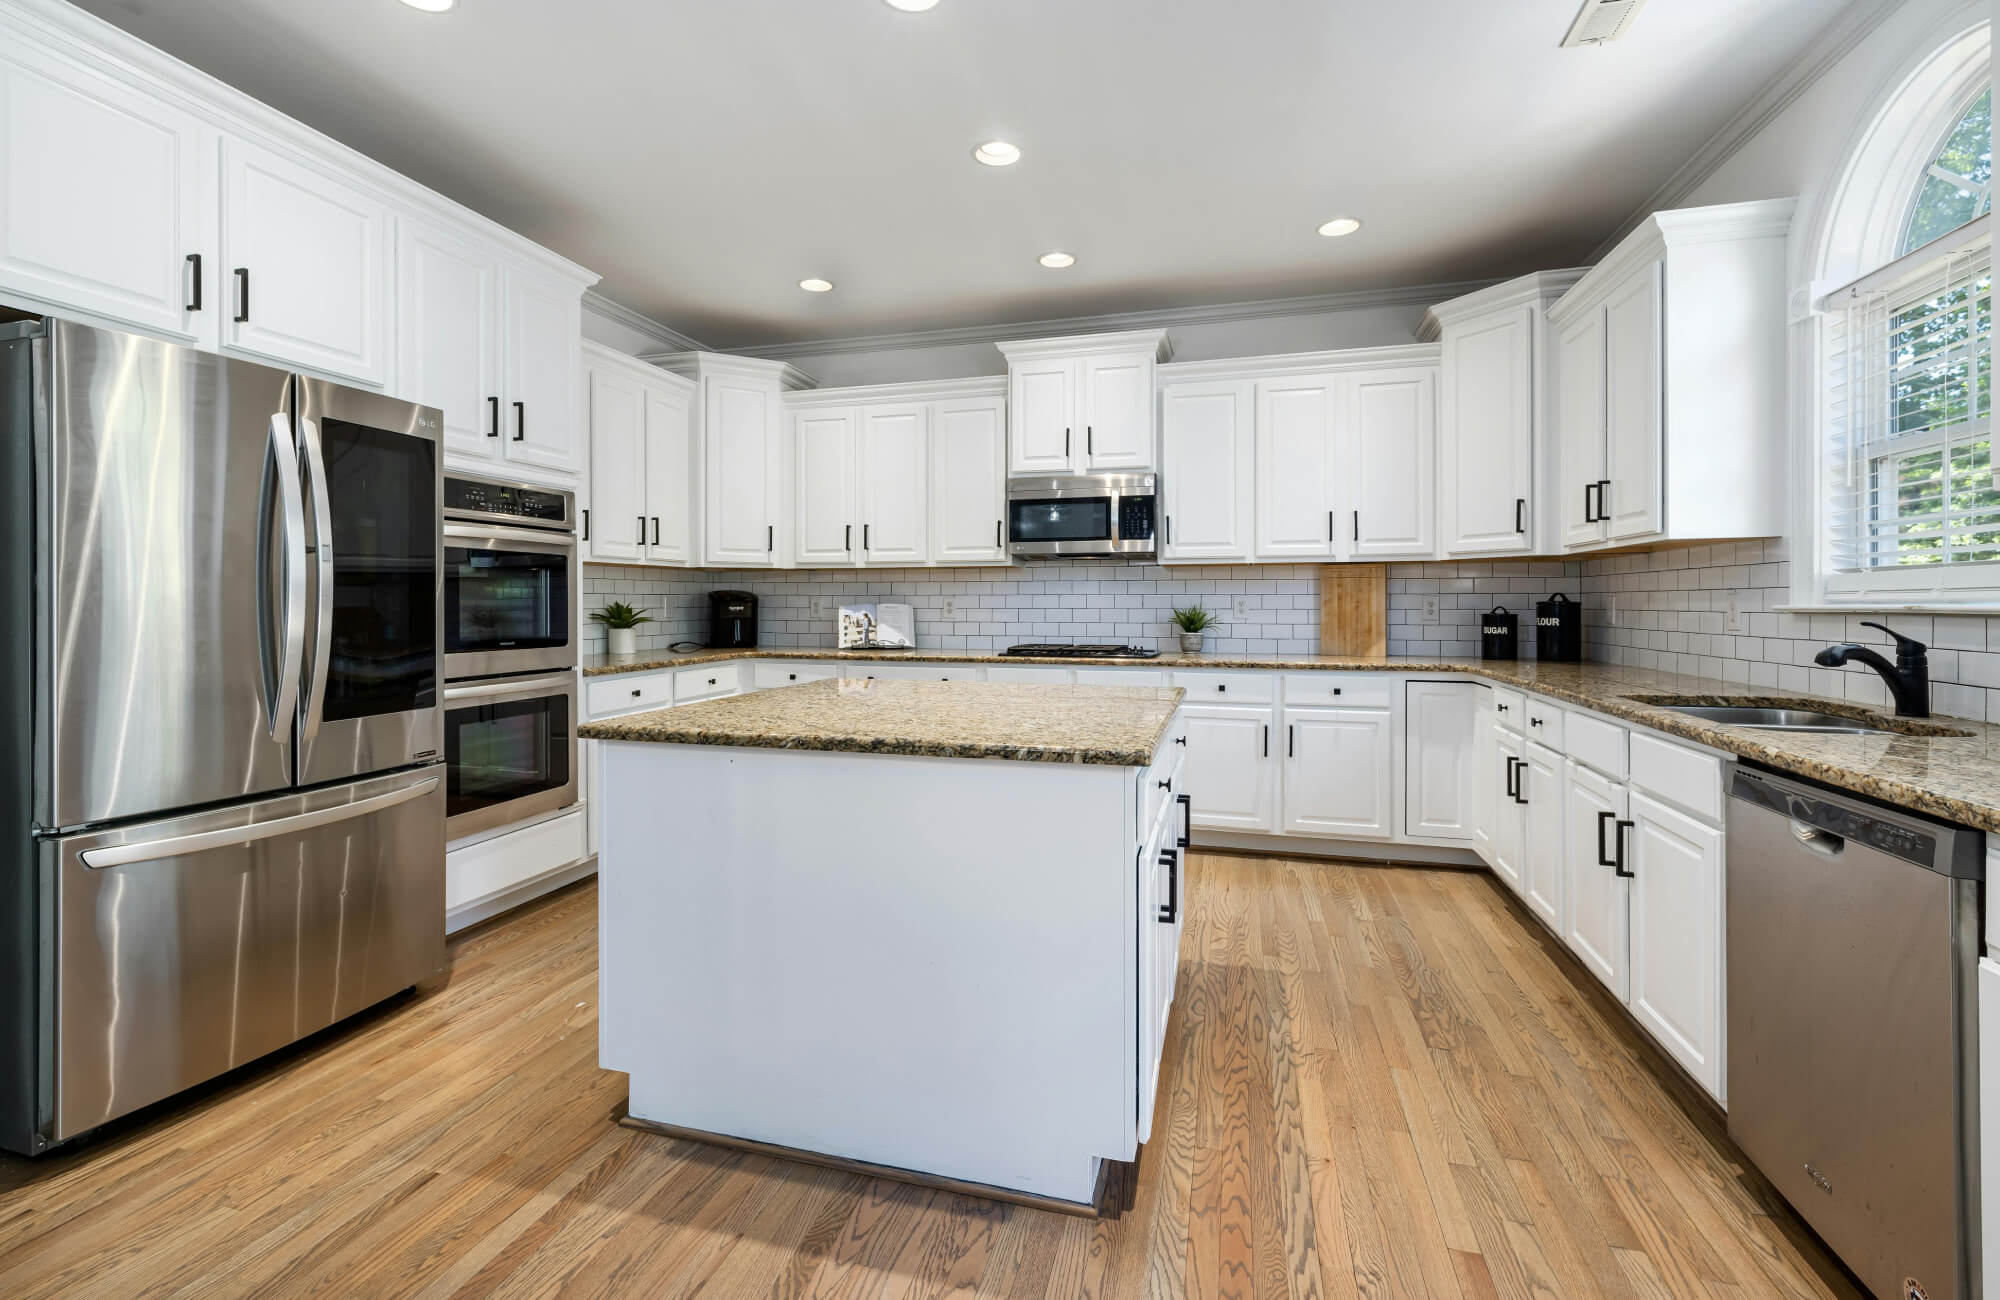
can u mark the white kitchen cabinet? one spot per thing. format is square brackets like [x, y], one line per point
[107, 200]
[1441, 753]
[1485, 778]
[306, 260]
[1510, 824]
[1229, 761]
[823, 450]
[968, 501]
[1162, 884]
[1340, 772]
[893, 456]
[1539, 780]
[1390, 440]
[617, 529]
[671, 474]
[1296, 466]
[743, 439]
[1595, 894]
[1677, 936]
[1670, 372]
[448, 352]
[541, 328]
[1207, 436]
[637, 496]
[1082, 404]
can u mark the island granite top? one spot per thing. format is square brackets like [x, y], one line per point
[1118, 726]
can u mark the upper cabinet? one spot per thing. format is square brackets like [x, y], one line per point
[969, 479]
[1206, 432]
[1494, 416]
[1297, 485]
[543, 327]
[637, 500]
[1083, 404]
[746, 456]
[1670, 382]
[1391, 447]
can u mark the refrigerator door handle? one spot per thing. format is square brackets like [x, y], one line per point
[121, 855]
[322, 548]
[291, 498]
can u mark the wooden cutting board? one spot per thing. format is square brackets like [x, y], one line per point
[1354, 609]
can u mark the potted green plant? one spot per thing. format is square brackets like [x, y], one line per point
[621, 622]
[1192, 621]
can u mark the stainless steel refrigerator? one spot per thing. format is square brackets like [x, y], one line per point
[221, 668]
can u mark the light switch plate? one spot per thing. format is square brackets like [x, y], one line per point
[1732, 617]
[1430, 610]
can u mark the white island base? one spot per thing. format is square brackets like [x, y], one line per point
[956, 969]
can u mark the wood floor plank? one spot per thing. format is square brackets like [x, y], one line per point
[1377, 1082]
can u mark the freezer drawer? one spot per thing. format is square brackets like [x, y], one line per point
[187, 947]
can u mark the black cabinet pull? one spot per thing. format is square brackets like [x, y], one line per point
[1187, 820]
[194, 282]
[642, 530]
[520, 422]
[864, 539]
[1501, 707]
[1267, 740]
[1222, 686]
[1510, 778]
[1170, 910]
[847, 537]
[1357, 525]
[1520, 514]
[1329, 525]
[586, 524]
[1603, 858]
[1618, 847]
[1291, 741]
[1336, 690]
[493, 417]
[635, 692]
[711, 681]
[1065, 444]
[1604, 500]
[1167, 784]
[1589, 509]
[1180, 740]
[996, 534]
[791, 677]
[242, 294]
[1089, 440]
[1168, 536]
[656, 530]
[770, 538]
[1534, 722]
[1521, 781]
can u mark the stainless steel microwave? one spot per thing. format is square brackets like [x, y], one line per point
[1083, 514]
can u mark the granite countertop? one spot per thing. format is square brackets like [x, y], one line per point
[1118, 726]
[1946, 767]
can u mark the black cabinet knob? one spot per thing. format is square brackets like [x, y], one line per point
[635, 694]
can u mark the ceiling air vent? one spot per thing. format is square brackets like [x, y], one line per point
[1602, 20]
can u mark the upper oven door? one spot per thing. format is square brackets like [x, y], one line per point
[509, 600]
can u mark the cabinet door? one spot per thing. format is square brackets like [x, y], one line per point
[1041, 417]
[1340, 772]
[670, 476]
[1295, 419]
[1117, 403]
[542, 334]
[617, 468]
[894, 472]
[1206, 430]
[306, 261]
[827, 531]
[1541, 783]
[1440, 758]
[106, 199]
[1160, 894]
[1580, 427]
[1486, 435]
[969, 481]
[1594, 902]
[1632, 400]
[448, 332]
[1229, 766]
[1485, 778]
[1676, 926]
[1510, 825]
[1392, 470]
[742, 465]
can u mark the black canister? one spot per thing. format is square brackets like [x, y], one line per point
[1559, 630]
[1499, 634]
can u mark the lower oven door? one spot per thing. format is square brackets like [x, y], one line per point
[509, 600]
[510, 750]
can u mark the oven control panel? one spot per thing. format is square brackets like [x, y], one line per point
[471, 496]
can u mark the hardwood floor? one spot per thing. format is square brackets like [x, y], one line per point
[1379, 1082]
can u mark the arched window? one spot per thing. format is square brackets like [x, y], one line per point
[1958, 184]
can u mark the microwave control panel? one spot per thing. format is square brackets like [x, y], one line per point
[1135, 518]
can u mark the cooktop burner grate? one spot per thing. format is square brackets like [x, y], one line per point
[1050, 650]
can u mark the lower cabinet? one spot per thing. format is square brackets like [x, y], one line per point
[1340, 772]
[1539, 781]
[1161, 919]
[1595, 907]
[1441, 785]
[1229, 761]
[1509, 828]
[1676, 934]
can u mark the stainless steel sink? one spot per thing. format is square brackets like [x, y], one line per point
[1779, 719]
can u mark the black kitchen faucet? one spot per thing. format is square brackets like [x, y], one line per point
[1909, 677]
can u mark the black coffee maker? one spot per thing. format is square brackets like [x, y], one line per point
[732, 620]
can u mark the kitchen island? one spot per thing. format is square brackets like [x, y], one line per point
[928, 929]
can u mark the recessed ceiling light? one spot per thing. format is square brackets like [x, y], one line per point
[1340, 226]
[1057, 261]
[912, 6]
[816, 285]
[431, 6]
[997, 153]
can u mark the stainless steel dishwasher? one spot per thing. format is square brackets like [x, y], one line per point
[1853, 1032]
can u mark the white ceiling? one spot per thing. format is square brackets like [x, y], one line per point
[704, 155]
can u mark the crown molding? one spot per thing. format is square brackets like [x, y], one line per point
[1389, 356]
[1662, 231]
[1855, 24]
[1538, 289]
[700, 365]
[1164, 319]
[986, 387]
[602, 356]
[1153, 341]
[669, 338]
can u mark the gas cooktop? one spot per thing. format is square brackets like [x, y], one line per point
[1047, 650]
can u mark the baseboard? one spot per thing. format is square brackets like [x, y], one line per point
[1298, 846]
[481, 909]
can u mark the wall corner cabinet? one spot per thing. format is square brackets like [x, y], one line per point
[1083, 404]
[638, 500]
[746, 456]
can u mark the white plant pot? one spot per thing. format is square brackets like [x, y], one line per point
[622, 640]
[1191, 642]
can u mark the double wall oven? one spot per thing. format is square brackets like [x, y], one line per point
[510, 698]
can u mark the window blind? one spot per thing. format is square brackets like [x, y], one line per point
[1912, 496]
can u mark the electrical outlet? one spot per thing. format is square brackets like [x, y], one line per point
[816, 607]
[1732, 617]
[1611, 611]
[1430, 610]
[1239, 607]
[949, 610]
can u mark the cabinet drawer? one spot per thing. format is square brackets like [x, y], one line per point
[627, 692]
[1120, 677]
[1162, 782]
[915, 672]
[769, 676]
[1545, 723]
[1510, 709]
[1685, 778]
[1227, 688]
[1342, 690]
[1029, 673]
[1596, 743]
[706, 682]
